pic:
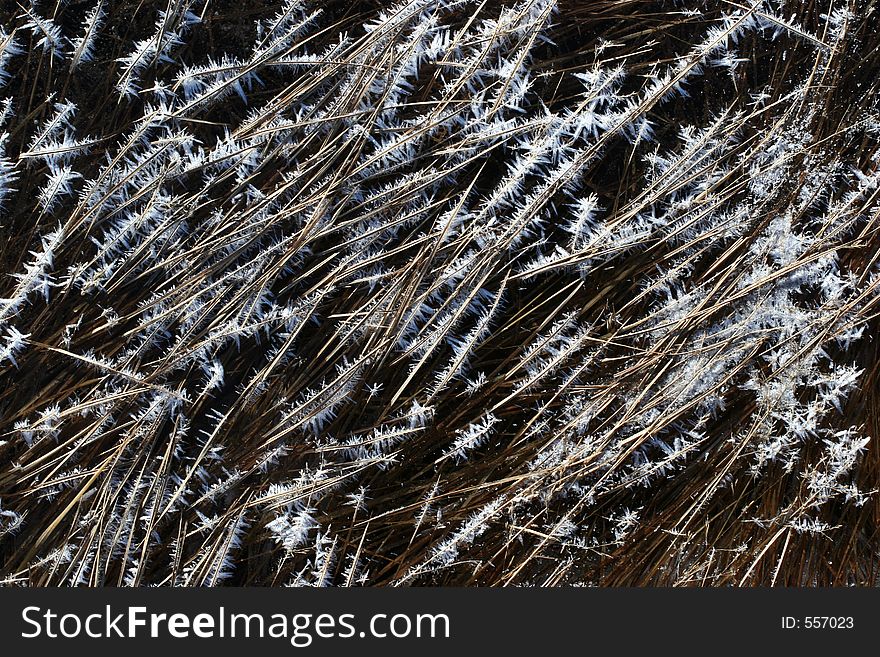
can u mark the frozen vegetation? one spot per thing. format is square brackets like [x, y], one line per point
[458, 292]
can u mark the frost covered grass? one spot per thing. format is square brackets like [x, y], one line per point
[494, 293]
